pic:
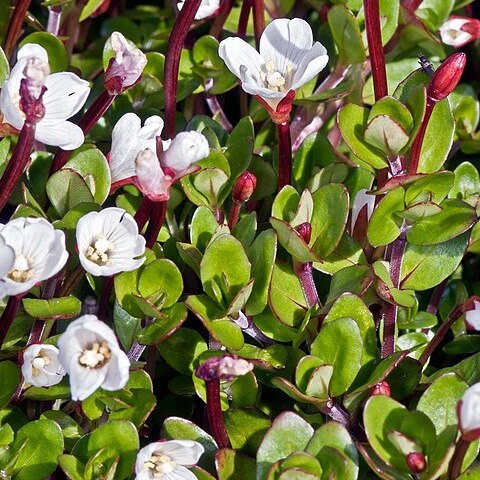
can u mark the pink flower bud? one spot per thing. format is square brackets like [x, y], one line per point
[244, 187]
[468, 412]
[416, 462]
[225, 367]
[381, 388]
[447, 76]
[304, 231]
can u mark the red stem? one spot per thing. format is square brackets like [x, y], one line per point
[172, 61]
[412, 4]
[96, 110]
[417, 143]
[16, 20]
[215, 415]
[377, 57]
[105, 297]
[234, 215]
[258, 19]
[143, 213]
[159, 210]
[284, 155]
[18, 162]
[243, 20]
[455, 467]
[8, 316]
[220, 19]
[303, 271]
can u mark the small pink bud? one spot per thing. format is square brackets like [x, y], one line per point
[446, 77]
[304, 231]
[381, 388]
[225, 367]
[244, 187]
[416, 462]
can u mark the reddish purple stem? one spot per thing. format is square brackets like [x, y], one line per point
[215, 415]
[417, 143]
[303, 271]
[258, 19]
[159, 210]
[284, 155]
[21, 9]
[8, 316]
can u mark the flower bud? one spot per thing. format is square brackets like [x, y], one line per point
[416, 462]
[446, 78]
[126, 67]
[225, 367]
[381, 388]
[244, 187]
[151, 180]
[471, 309]
[468, 412]
[186, 148]
[458, 31]
[304, 231]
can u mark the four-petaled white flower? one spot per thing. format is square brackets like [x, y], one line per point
[90, 354]
[65, 95]
[288, 59]
[168, 460]
[472, 317]
[207, 8]
[41, 367]
[126, 67]
[39, 252]
[468, 411]
[109, 243]
[458, 31]
[133, 158]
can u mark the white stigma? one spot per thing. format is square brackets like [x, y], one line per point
[99, 252]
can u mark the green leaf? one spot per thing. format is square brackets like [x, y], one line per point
[289, 433]
[345, 356]
[232, 465]
[434, 12]
[64, 307]
[432, 188]
[4, 66]
[72, 467]
[57, 55]
[90, 8]
[71, 430]
[467, 181]
[10, 375]
[202, 227]
[285, 203]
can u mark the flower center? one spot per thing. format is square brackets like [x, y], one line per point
[95, 356]
[272, 78]
[159, 464]
[41, 361]
[21, 271]
[99, 251]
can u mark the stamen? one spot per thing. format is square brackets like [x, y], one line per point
[95, 356]
[100, 250]
[21, 271]
[159, 465]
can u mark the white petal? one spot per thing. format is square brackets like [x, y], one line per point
[65, 135]
[118, 371]
[10, 96]
[65, 96]
[7, 257]
[235, 52]
[184, 452]
[33, 50]
[452, 34]
[314, 62]
[186, 148]
[362, 198]
[84, 381]
[469, 410]
[152, 127]
[180, 473]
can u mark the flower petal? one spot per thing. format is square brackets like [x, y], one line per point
[7, 257]
[180, 473]
[314, 62]
[65, 96]
[184, 452]
[65, 135]
[118, 371]
[32, 50]
[235, 52]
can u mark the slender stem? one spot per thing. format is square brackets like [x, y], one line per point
[156, 221]
[436, 297]
[96, 110]
[455, 314]
[220, 19]
[18, 162]
[234, 215]
[8, 316]
[135, 351]
[143, 213]
[455, 467]
[217, 112]
[417, 143]
[391, 311]
[303, 271]
[152, 354]
[284, 155]
[54, 18]
[215, 415]
[258, 19]
[73, 21]
[412, 4]
[16, 20]
[243, 20]
[377, 57]
[71, 281]
[172, 61]
[105, 297]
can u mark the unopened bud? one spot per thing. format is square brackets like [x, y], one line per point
[225, 367]
[125, 69]
[186, 149]
[304, 231]
[471, 308]
[416, 462]
[468, 412]
[446, 77]
[151, 180]
[381, 388]
[244, 187]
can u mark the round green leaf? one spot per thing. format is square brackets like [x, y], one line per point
[10, 375]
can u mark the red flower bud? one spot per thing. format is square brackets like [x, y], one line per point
[305, 231]
[381, 388]
[416, 462]
[244, 187]
[446, 77]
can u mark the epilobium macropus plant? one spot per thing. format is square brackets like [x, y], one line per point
[238, 244]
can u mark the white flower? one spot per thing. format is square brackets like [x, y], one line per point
[458, 31]
[468, 411]
[39, 253]
[65, 95]
[362, 200]
[288, 59]
[7, 260]
[207, 8]
[126, 67]
[472, 317]
[168, 460]
[90, 354]
[108, 242]
[186, 149]
[41, 367]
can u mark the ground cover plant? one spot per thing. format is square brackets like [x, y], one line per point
[239, 240]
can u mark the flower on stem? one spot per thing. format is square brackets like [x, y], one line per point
[125, 67]
[64, 96]
[458, 31]
[39, 252]
[109, 242]
[225, 367]
[207, 8]
[134, 156]
[288, 59]
[468, 412]
[41, 367]
[244, 187]
[446, 77]
[90, 354]
[168, 460]
[7, 260]
[472, 313]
